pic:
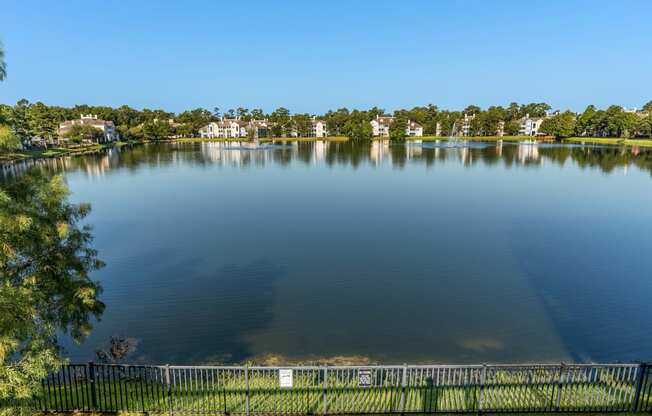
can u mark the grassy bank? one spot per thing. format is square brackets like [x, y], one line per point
[609, 141]
[263, 140]
[485, 138]
[58, 151]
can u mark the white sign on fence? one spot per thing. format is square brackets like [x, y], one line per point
[364, 378]
[285, 377]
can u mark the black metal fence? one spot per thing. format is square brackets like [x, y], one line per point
[349, 389]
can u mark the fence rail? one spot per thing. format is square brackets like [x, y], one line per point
[349, 389]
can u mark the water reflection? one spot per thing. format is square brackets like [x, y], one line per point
[476, 252]
[376, 153]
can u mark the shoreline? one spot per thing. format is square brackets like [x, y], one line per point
[89, 149]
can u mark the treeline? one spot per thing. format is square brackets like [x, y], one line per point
[26, 120]
[612, 122]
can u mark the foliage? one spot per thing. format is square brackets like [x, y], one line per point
[397, 128]
[157, 130]
[45, 261]
[357, 126]
[559, 125]
[302, 124]
[83, 132]
[648, 106]
[195, 120]
[8, 140]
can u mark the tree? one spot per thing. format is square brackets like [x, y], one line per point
[3, 64]
[535, 109]
[358, 126]
[648, 106]
[45, 285]
[282, 121]
[8, 140]
[40, 121]
[19, 120]
[335, 120]
[397, 128]
[196, 119]
[79, 133]
[157, 130]
[512, 128]
[560, 125]
[303, 124]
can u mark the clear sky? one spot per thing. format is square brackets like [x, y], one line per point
[313, 56]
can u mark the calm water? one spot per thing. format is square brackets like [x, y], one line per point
[402, 253]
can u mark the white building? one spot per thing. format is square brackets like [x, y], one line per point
[319, 128]
[414, 129]
[530, 125]
[380, 126]
[235, 128]
[107, 127]
[465, 129]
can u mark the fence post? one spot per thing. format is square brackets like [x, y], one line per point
[325, 389]
[91, 376]
[483, 376]
[559, 385]
[642, 368]
[247, 388]
[403, 385]
[168, 388]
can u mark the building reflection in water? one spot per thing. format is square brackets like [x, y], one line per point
[375, 153]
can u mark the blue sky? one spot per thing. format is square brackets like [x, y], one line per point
[315, 56]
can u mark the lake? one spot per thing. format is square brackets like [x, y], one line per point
[416, 253]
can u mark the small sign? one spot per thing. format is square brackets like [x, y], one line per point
[285, 377]
[364, 378]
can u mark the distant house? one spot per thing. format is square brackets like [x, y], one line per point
[530, 125]
[235, 128]
[414, 129]
[318, 128]
[224, 129]
[465, 129]
[107, 127]
[380, 126]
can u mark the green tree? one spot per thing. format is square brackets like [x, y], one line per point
[157, 130]
[45, 285]
[41, 121]
[398, 127]
[512, 127]
[196, 119]
[303, 124]
[19, 120]
[648, 106]
[8, 140]
[282, 122]
[560, 125]
[335, 120]
[358, 126]
[79, 133]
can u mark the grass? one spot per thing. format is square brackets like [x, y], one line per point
[609, 141]
[196, 395]
[59, 151]
[264, 139]
[482, 138]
